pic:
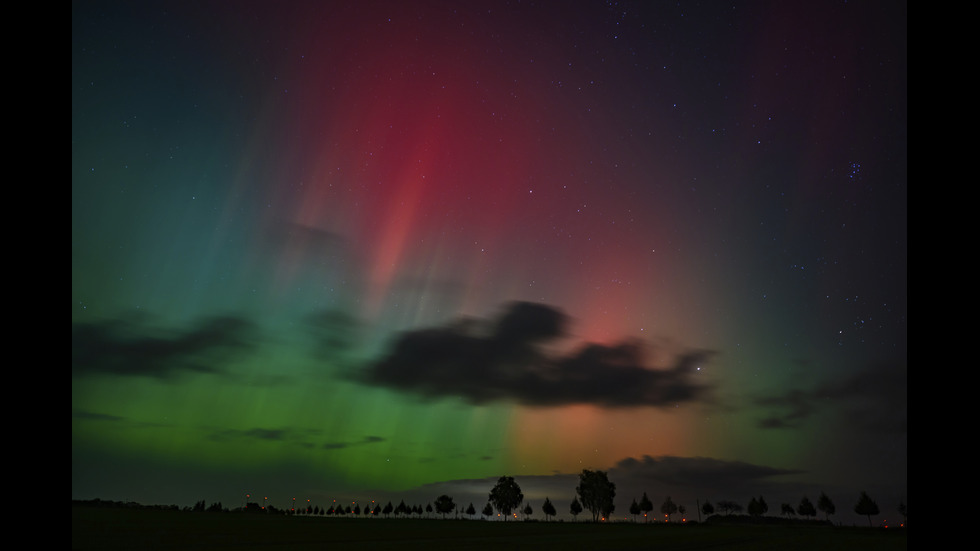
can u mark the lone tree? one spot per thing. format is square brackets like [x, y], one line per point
[825, 505]
[866, 506]
[575, 508]
[668, 508]
[646, 506]
[806, 509]
[506, 496]
[487, 510]
[528, 511]
[548, 509]
[597, 493]
[471, 510]
[444, 505]
[634, 509]
[708, 509]
[729, 506]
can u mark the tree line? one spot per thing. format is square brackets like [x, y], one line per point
[594, 493]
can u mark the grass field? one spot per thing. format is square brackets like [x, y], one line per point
[115, 529]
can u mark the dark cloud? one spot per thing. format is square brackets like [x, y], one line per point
[695, 472]
[254, 433]
[92, 416]
[503, 360]
[794, 406]
[131, 348]
[874, 399]
[525, 323]
[266, 434]
[343, 445]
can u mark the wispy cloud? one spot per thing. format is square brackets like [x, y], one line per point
[93, 416]
[342, 445]
[875, 399]
[124, 347]
[695, 471]
[253, 433]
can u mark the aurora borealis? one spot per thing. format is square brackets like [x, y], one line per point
[352, 250]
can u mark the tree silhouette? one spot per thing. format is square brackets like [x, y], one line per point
[597, 493]
[729, 507]
[866, 506]
[575, 508]
[806, 509]
[444, 505]
[506, 496]
[758, 507]
[548, 509]
[387, 510]
[646, 506]
[904, 511]
[683, 511]
[607, 511]
[634, 509]
[825, 505]
[471, 510]
[788, 510]
[528, 511]
[708, 509]
[488, 510]
[668, 508]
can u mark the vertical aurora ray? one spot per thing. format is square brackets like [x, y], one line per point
[267, 202]
[409, 181]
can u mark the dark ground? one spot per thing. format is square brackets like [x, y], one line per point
[116, 529]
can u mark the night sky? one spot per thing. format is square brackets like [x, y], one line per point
[375, 250]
